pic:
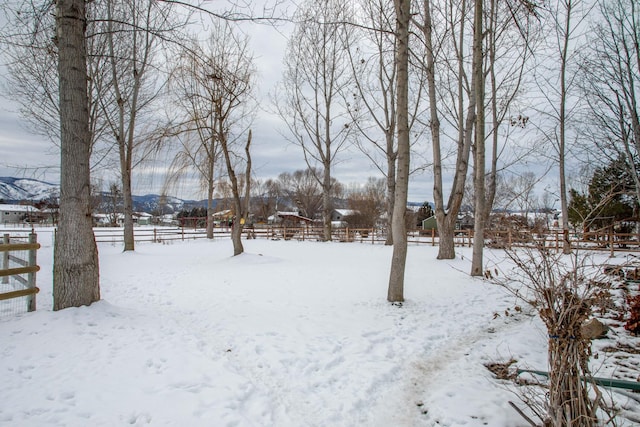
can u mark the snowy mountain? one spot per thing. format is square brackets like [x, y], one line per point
[17, 189]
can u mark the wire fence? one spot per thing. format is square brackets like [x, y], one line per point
[18, 269]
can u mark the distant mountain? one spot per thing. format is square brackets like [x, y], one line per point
[13, 190]
[164, 204]
[16, 190]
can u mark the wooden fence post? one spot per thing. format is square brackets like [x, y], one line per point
[611, 242]
[31, 277]
[5, 258]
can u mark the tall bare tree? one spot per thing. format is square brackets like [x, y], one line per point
[373, 102]
[33, 83]
[395, 291]
[557, 84]
[75, 271]
[199, 147]
[513, 35]
[479, 154]
[454, 64]
[446, 60]
[220, 101]
[303, 190]
[611, 83]
[316, 75]
[240, 200]
[132, 36]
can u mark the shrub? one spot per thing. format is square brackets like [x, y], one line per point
[633, 324]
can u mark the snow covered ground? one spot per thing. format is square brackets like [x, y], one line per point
[287, 334]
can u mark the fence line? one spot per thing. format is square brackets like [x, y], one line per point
[26, 286]
[500, 239]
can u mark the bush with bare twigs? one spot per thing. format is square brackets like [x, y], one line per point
[563, 289]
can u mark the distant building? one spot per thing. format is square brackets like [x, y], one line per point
[430, 223]
[14, 214]
[289, 219]
[341, 214]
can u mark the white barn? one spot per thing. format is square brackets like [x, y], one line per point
[14, 214]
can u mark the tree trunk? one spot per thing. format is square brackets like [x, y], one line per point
[399, 259]
[446, 216]
[391, 188]
[564, 205]
[236, 231]
[479, 150]
[326, 202]
[75, 271]
[239, 207]
[210, 188]
[446, 234]
[127, 201]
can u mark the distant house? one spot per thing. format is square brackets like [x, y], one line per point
[14, 214]
[342, 214]
[142, 218]
[465, 221]
[289, 219]
[168, 219]
[430, 223]
[223, 218]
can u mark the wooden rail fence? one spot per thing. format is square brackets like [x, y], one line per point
[13, 276]
[500, 239]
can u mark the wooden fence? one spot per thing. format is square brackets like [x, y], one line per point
[14, 267]
[343, 234]
[500, 239]
[155, 235]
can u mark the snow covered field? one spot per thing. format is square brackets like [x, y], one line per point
[287, 334]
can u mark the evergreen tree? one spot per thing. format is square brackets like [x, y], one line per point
[611, 197]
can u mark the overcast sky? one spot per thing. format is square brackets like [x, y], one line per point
[23, 153]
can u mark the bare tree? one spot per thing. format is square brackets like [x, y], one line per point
[224, 74]
[240, 201]
[33, 80]
[395, 291]
[557, 84]
[479, 154]
[611, 82]
[373, 102]
[513, 34]
[131, 34]
[266, 196]
[519, 191]
[498, 58]
[114, 204]
[316, 74]
[75, 271]
[303, 190]
[450, 27]
[196, 94]
[367, 203]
